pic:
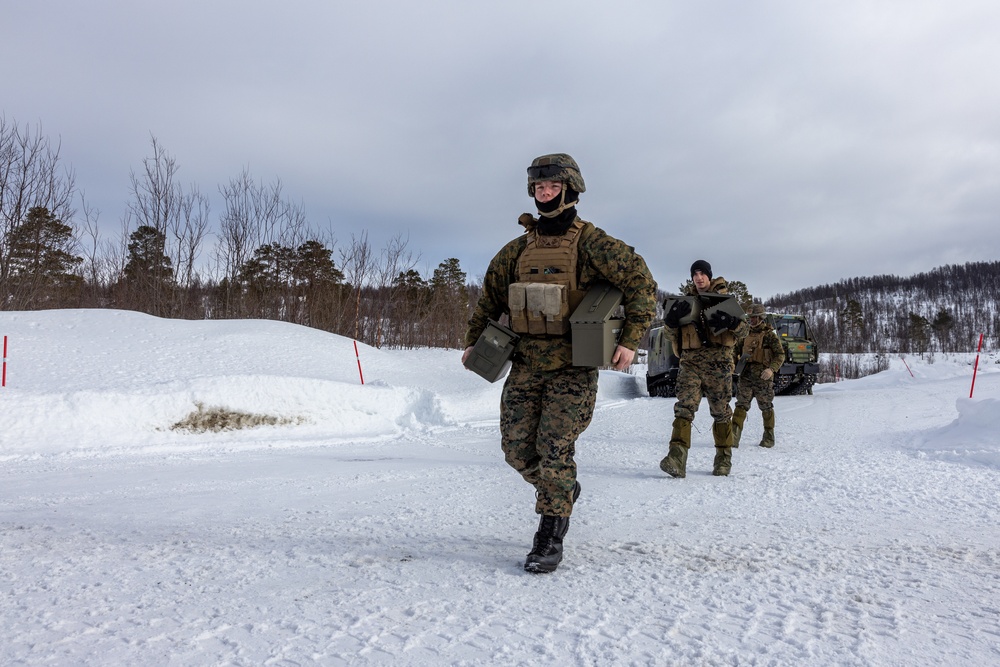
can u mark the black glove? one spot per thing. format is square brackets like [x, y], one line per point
[723, 320]
[673, 317]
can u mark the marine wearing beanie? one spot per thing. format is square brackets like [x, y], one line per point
[703, 266]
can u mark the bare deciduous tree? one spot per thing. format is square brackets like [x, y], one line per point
[180, 219]
[254, 215]
[357, 265]
[386, 313]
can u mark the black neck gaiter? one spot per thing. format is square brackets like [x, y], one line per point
[558, 225]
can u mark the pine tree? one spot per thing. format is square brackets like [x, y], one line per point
[410, 281]
[450, 302]
[448, 276]
[147, 281]
[942, 325]
[918, 332]
[320, 289]
[852, 326]
[269, 269]
[314, 266]
[739, 289]
[42, 265]
[147, 260]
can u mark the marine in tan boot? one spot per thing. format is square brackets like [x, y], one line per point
[705, 347]
[739, 416]
[722, 432]
[768, 439]
[675, 462]
[764, 355]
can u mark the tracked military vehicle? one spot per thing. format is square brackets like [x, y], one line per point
[796, 376]
[661, 364]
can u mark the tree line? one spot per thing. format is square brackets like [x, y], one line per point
[943, 310]
[267, 261]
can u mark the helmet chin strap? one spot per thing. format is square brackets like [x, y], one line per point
[563, 205]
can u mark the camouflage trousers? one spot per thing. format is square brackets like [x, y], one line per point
[542, 413]
[706, 371]
[752, 386]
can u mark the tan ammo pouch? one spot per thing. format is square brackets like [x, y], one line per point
[546, 292]
[753, 344]
[539, 308]
[689, 337]
[726, 338]
[691, 341]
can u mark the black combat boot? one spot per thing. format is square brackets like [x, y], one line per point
[546, 553]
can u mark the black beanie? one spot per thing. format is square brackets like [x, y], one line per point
[703, 266]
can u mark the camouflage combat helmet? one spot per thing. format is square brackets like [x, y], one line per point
[555, 167]
[755, 310]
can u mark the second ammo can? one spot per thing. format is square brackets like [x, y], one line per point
[595, 328]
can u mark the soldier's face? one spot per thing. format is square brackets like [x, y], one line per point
[546, 191]
[701, 281]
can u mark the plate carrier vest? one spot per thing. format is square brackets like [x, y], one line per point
[546, 291]
[754, 344]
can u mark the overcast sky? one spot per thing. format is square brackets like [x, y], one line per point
[789, 143]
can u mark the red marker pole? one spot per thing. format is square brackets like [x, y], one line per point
[971, 389]
[359, 362]
[3, 381]
[903, 359]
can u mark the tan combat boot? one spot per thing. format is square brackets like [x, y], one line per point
[675, 462]
[723, 434]
[768, 439]
[739, 416]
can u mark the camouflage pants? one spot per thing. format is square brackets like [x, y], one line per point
[707, 371]
[752, 386]
[542, 413]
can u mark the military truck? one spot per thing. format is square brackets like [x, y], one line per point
[796, 376]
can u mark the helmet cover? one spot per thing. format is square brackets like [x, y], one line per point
[555, 167]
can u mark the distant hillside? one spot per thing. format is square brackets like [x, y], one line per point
[943, 310]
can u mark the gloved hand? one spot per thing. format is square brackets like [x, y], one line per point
[766, 374]
[723, 320]
[673, 317]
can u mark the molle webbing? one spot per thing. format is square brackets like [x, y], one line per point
[690, 340]
[542, 299]
[754, 344]
[550, 259]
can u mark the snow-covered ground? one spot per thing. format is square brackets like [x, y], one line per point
[377, 523]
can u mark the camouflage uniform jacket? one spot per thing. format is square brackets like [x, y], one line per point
[764, 349]
[688, 332]
[600, 258]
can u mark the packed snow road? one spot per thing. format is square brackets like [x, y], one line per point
[867, 536]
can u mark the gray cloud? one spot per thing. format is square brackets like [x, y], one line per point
[791, 144]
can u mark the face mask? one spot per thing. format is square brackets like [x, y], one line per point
[568, 198]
